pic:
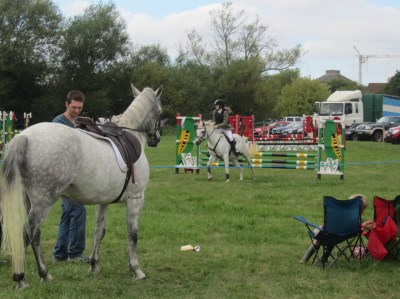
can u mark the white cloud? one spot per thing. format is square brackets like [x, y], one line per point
[327, 30]
[75, 8]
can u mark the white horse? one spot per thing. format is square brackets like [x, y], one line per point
[50, 159]
[219, 148]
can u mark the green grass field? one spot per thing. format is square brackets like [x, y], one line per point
[250, 244]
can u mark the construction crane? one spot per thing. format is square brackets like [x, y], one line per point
[363, 59]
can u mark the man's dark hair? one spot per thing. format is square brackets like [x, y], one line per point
[75, 95]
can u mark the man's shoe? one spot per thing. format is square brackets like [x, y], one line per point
[56, 259]
[79, 258]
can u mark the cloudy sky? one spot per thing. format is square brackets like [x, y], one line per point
[327, 30]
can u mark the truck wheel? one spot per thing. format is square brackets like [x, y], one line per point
[377, 136]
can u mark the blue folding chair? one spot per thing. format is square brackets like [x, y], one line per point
[340, 235]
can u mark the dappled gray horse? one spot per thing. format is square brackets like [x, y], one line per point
[49, 159]
[219, 148]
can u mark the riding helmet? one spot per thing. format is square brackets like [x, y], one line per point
[219, 102]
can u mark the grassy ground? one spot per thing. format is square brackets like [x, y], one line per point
[250, 244]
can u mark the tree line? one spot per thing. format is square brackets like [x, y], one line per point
[43, 55]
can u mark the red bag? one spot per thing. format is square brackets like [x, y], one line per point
[375, 246]
[388, 231]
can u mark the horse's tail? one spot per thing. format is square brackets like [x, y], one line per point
[12, 202]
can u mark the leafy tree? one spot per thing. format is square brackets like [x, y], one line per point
[298, 98]
[393, 86]
[342, 84]
[268, 92]
[95, 46]
[192, 90]
[29, 37]
[150, 67]
[236, 37]
[239, 85]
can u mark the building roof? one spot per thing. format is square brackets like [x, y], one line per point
[331, 75]
[375, 87]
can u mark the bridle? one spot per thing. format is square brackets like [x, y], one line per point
[205, 135]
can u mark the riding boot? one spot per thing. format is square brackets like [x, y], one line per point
[233, 147]
[310, 251]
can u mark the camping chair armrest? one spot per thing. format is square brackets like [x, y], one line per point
[307, 223]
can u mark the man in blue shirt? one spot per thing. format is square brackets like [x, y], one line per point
[70, 243]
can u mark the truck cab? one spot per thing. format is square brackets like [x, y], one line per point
[347, 104]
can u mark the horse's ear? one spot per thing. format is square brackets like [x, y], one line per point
[135, 91]
[159, 91]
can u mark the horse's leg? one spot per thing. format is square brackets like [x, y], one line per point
[210, 160]
[133, 209]
[99, 232]
[237, 164]
[253, 176]
[226, 162]
[36, 217]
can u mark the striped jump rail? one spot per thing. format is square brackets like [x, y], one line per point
[295, 155]
[297, 162]
[299, 167]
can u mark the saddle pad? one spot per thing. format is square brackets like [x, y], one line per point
[121, 163]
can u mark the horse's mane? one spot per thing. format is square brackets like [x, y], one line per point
[142, 112]
[208, 123]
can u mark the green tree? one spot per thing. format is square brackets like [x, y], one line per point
[95, 46]
[393, 86]
[192, 90]
[29, 37]
[267, 94]
[298, 97]
[236, 37]
[342, 84]
[150, 66]
[239, 85]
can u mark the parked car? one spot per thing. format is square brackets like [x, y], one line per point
[393, 135]
[265, 130]
[295, 127]
[279, 130]
[374, 131]
[351, 132]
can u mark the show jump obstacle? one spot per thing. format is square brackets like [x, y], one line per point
[331, 147]
[187, 153]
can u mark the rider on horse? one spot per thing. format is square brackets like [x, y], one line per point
[220, 118]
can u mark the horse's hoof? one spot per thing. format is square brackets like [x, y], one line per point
[94, 271]
[210, 178]
[22, 285]
[48, 278]
[241, 179]
[139, 275]
[227, 181]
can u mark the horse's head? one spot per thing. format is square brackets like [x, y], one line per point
[201, 133]
[143, 115]
[154, 138]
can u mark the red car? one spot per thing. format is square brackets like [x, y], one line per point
[393, 135]
[265, 130]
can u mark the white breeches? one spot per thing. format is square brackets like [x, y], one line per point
[226, 132]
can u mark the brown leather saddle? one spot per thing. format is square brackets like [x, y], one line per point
[128, 145]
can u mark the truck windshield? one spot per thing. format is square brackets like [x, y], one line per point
[331, 109]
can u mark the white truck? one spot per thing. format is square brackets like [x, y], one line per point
[358, 108]
[348, 103]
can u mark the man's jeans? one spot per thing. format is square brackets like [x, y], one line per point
[71, 230]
